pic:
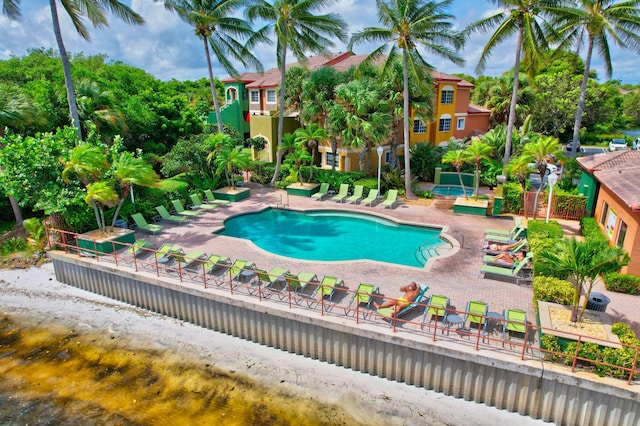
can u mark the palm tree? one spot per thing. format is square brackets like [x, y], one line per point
[129, 171]
[96, 12]
[15, 110]
[11, 8]
[100, 195]
[87, 162]
[407, 26]
[228, 157]
[457, 158]
[519, 168]
[519, 17]
[310, 136]
[540, 151]
[594, 22]
[297, 28]
[218, 29]
[299, 156]
[475, 153]
[583, 262]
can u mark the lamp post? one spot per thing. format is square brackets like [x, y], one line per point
[552, 179]
[379, 166]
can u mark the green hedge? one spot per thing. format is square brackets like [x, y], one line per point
[512, 197]
[554, 290]
[622, 283]
[590, 230]
[542, 237]
[622, 357]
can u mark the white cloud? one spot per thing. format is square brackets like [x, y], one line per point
[167, 48]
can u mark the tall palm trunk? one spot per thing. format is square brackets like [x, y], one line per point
[583, 96]
[514, 99]
[407, 161]
[216, 104]
[279, 153]
[71, 95]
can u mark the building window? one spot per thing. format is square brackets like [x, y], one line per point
[605, 210]
[444, 125]
[419, 127]
[255, 96]
[622, 233]
[461, 123]
[271, 96]
[446, 97]
[331, 161]
[610, 225]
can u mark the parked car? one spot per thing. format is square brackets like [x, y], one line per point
[635, 144]
[569, 146]
[617, 144]
[534, 177]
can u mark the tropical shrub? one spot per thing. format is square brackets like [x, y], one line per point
[622, 283]
[550, 289]
[38, 237]
[591, 230]
[512, 197]
[12, 245]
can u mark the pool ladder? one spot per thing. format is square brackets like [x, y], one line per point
[281, 204]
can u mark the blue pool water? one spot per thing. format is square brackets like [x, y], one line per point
[336, 235]
[451, 190]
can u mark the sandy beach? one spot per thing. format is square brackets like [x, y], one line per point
[34, 295]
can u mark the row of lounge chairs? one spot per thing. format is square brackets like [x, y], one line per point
[181, 213]
[515, 240]
[357, 196]
[305, 286]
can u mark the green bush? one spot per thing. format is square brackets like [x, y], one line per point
[512, 198]
[542, 237]
[262, 172]
[13, 245]
[554, 290]
[591, 230]
[622, 283]
[551, 343]
[540, 228]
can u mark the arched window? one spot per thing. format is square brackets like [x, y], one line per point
[446, 96]
[444, 125]
[232, 94]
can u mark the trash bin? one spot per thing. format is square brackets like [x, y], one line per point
[598, 302]
[120, 223]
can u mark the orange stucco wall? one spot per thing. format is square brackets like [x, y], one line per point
[610, 225]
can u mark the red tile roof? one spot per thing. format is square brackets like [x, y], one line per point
[618, 171]
[341, 61]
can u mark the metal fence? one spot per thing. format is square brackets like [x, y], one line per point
[311, 294]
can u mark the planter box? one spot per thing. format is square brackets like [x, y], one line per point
[230, 194]
[97, 240]
[471, 206]
[303, 189]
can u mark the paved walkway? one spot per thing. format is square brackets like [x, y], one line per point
[457, 276]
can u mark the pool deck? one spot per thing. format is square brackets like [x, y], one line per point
[456, 276]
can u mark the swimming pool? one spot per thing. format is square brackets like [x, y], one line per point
[451, 190]
[336, 235]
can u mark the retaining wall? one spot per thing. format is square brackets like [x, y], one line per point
[529, 387]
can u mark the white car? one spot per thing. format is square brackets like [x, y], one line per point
[618, 145]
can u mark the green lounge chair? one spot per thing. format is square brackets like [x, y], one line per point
[216, 263]
[190, 259]
[165, 215]
[514, 320]
[507, 274]
[276, 282]
[437, 306]
[141, 224]
[506, 239]
[241, 270]
[476, 313]
[522, 244]
[493, 231]
[324, 189]
[373, 196]
[166, 253]
[387, 313]
[197, 203]
[138, 246]
[392, 198]
[211, 199]
[299, 283]
[328, 285]
[490, 259]
[177, 204]
[343, 193]
[357, 195]
[362, 296]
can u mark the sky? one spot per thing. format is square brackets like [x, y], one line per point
[167, 48]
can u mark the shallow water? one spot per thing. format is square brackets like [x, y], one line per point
[51, 375]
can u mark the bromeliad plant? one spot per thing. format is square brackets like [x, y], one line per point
[108, 176]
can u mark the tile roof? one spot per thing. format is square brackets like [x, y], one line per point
[341, 61]
[618, 171]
